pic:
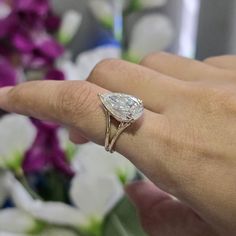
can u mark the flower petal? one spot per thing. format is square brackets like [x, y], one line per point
[86, 61]
[94, 159]
[21, 222]
[153, 32]
[70, 24]
[95, 195]
[8, 75]
[18, 134]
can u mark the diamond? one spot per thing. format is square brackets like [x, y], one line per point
[123, 107]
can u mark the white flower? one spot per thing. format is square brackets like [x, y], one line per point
[18, 133]
[5, 10]
[151, 3]
[86, 61]
[92, 158]
[70, 24]
[153, 32]
[104, 10]
[16, 221]
[58, 232]
[95, 195]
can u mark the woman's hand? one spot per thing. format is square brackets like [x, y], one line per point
[185, 143]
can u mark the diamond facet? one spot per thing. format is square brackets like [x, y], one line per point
[123, 107]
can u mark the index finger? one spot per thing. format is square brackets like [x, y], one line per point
[75, 103]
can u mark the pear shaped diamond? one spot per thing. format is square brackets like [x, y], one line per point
[123, 107]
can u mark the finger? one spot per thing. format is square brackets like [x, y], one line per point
[125, 77]
[76, 137]
[162, 215]
[227, 62]
[182, 68]
[76, 104]
[144, 194]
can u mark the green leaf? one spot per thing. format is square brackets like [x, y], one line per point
[123, 221]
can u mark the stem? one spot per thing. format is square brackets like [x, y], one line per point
[21, 177]
[119, 226]
[118, 21]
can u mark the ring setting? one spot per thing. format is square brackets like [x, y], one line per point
[125, 109]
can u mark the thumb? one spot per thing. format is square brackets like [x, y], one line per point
[144, 195]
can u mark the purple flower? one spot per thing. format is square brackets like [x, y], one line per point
[55, 74]
[42, 51]
[50, 49]
[45, 151]
[22, 42]
[52, 22]
[7, 73]
[40, 7]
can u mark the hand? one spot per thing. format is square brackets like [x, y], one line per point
[185, 142]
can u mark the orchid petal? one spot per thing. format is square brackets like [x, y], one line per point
[93, 158]
[95, 195]
[21, 222]
[58, 231]
[18, 134]
[51, 212]
[70, 24]
[57, 213]
[5, 10]
[153, 32]
[87, 61]
[8, 75]
[152, 3]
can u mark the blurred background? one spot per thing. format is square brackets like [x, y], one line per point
[49, 186]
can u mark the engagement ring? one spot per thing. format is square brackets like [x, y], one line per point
[124, 108]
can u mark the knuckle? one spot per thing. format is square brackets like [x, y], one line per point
[210, 60]
[75, 101]
[154, 57]
[150, 58]
[102, 67]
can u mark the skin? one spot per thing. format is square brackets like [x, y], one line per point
[184, 143]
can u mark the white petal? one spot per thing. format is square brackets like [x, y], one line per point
[12, 234]
[102, 10]
[58, 232]
[18, 133]
[16, 221]
[57, 213]
[5, 10]
[152, 3]
[95, 195]
[70, 24]
[93, 158]
[86, 61]
[19, 195]
[4, 183]
[52, 212]
[152, 33]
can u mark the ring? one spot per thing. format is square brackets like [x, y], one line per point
[124, 108]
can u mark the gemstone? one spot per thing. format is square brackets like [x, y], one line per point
[123, 107]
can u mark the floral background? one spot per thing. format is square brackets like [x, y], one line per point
[49, 186]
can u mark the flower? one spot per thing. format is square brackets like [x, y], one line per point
[70, 24]
[18, 133]
[87, 61]
[148, 37]
[143, 4]
[93, 159]
[8, 75]
[39, 7]
[55, 74]
[45, 151]
[23, 222]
